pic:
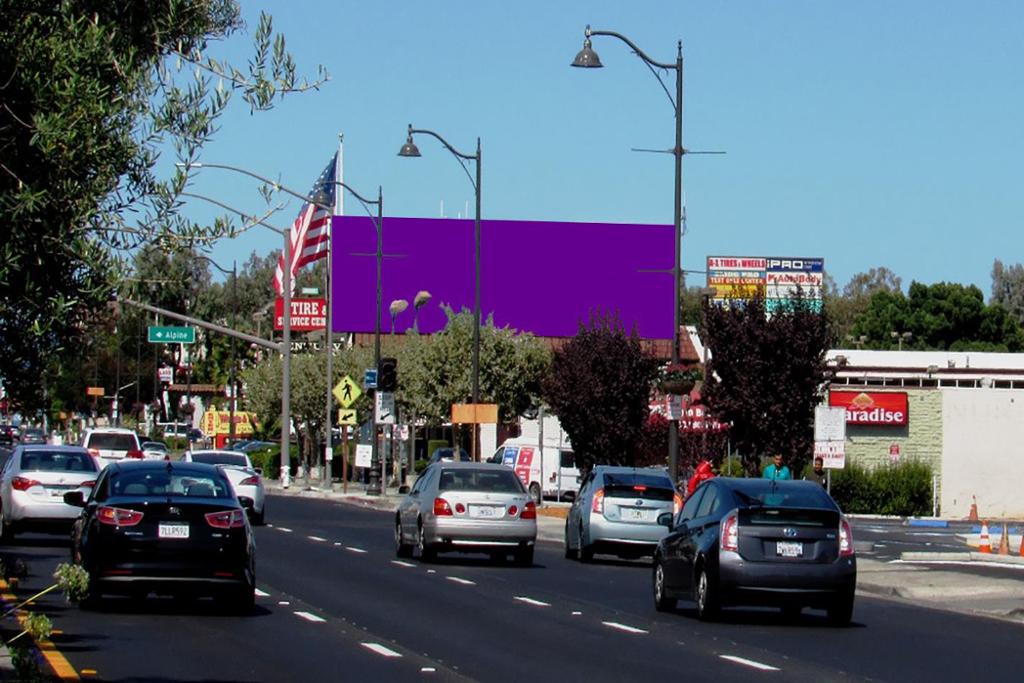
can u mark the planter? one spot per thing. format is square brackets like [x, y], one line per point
[677, 386]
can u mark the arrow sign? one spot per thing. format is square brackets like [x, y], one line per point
[347, 416]
[171, 335]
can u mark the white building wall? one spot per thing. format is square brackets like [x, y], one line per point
[983, 452]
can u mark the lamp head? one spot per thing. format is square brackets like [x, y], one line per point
[587, 58]
[421, 298]
[397, 306]
[409, 149]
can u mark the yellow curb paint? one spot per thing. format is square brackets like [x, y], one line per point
[88, 672]
[60, 665]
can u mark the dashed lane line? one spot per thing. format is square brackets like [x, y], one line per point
[464, 582]
[262, 594]
[624, 628]
[531, 601]
[355, 550]
[400, 563]
[749, 662]
[284, 529]
[317, 539]
[309, 616]
[381, 650]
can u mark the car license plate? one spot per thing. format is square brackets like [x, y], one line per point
[484, 511]
[635, 515]
[789, 549]
[173, 531]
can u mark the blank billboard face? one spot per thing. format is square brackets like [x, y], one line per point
[535, 276]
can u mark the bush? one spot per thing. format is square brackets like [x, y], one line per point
[903, 489]
[434, 444]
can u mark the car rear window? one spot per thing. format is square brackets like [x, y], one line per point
[112, 442]
[44, 461]
[761, 492]
[236, 459]
[163, 484]
[496, 481]
[637, 485]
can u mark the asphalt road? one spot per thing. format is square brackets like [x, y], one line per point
[464, 617]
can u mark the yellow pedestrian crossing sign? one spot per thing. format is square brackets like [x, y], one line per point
[347, 392]
[347, 416]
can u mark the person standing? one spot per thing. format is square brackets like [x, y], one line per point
[818, 474]
[777, 470]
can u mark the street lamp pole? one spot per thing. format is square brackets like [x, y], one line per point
[234, 318]
[587, 58]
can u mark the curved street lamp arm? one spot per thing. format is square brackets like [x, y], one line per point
[244, 216]
[275, 184]
[472, 157]
[633, 46]
[212, 263]
[355, 194]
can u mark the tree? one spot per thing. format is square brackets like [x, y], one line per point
[764, 376]
[599, 385]
[1008, 288]
[94, 93]
[844, 309]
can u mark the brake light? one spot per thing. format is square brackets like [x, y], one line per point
[529, 511]
[677, 504]
[460, 508]
[442, 508]
[845, 539]
[597, 505]
[513, 511]
[118, 516]
[640, 487]
[89, 484]
[731, 533]
[23, 483]
[227, 519]
[135, 455]
[254, 480]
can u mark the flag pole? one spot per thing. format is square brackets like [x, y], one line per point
[339, 168]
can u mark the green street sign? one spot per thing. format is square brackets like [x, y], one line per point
[172, 335]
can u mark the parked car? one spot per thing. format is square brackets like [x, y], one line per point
[32, 435]
[33, 483]
[617, 511]
[246, 480]
[154, 450]
[560, 478]
[168, 527]
[448, 455]
[757, 542]
[110, 444]
[466, 507]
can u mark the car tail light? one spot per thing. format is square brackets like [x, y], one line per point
[731, 533]
[442, 508]
[89, 484]
[597, 505]
[460, 508]
[513, 511]
[529, 511]
[254, 480]
[640, 487]
[118, 516]
[94, 452]
[677, 504]
[135, 455]
[227, 519]
[23, 483]
[845, 539]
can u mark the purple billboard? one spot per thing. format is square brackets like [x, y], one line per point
[535, 276]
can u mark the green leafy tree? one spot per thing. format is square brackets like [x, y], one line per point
[600, 387]
[764, 376]
[1008, 288]
[844, 308]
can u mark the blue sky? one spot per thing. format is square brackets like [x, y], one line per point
[871, 134]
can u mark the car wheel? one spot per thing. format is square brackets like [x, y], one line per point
[524, 556]
[260, 518]
[840, 611]
[706, 596]
[402, 549]
[426, 550]
[662, 602]
[584, 552]
[570, 552]
[535, 493]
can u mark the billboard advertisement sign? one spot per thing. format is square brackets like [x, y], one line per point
[775, 278]
[541, 277]
[884, 408]
[307, 314]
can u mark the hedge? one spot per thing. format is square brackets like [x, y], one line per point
[903, 489]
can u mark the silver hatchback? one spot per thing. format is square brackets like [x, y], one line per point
[617, 511]
[467, 507]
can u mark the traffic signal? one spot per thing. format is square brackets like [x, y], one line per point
[387, 374]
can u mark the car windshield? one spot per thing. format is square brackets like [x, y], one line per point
[236, 459]
[154, 446]
[496, 481]
[637, 485]
[57, 461]
[112, 442]
[33, 432]
[162, 483]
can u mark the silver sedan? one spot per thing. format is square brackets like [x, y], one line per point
[467, 507]
[245, 479]
[33, 484]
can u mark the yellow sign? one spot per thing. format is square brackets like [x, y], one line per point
[219, 422]
[94, 391]
[474, 413]
[347, 392]
[347, 416]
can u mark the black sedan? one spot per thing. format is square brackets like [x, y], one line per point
[165, 527]
[757, 542]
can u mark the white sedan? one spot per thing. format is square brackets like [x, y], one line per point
[246, 480]
[33, 484]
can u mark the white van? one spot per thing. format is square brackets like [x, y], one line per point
[560, 479]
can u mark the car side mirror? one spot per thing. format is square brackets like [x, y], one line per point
[75, 499]
[258, 470]
[665, 519]
[246, 502]
[403, 489]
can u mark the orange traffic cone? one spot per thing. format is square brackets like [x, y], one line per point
[973, 515]
[1004, 542]
[984, 544]
[1021, 551]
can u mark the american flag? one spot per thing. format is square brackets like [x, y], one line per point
[311, 230]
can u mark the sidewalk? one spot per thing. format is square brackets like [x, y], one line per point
[918, 578]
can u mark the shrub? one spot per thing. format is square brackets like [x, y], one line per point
[270, 460]
[434, 444]
[903, 489]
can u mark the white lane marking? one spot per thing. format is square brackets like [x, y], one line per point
[355, 550]
[284, 529]
[531, 601]
[261, 594]
[283, 602]
[576, 614]
[269, 525]
[749, 662]
[402, 564]
[337, 543]
[431, 571]
[381, 650]
[464, 582]
[310, 617]
[317, 539]
[965, 563]
[623, 627]
[428, 670]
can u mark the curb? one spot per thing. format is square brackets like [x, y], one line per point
[969, 556]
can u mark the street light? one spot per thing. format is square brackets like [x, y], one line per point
[900, 337]
[234, 315]
[421, 299]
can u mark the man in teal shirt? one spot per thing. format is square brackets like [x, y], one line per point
[777, 470]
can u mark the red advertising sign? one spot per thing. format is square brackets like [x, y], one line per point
[871, 407]
[307, 314]
[523, 466]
